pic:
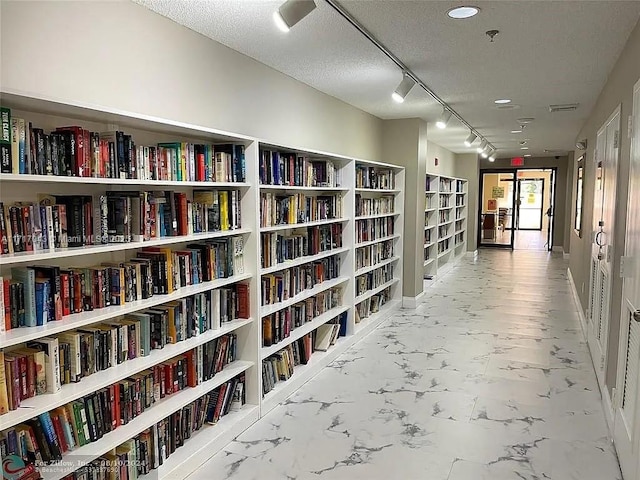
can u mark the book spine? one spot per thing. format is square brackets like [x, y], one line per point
[6, 165]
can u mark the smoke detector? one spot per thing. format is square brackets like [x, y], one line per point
[567, 107]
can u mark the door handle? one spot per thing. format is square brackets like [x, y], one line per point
[597, 239]
[636, 316]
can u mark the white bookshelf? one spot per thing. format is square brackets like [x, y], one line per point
[387, 293]
[445, 223]
[146, 130]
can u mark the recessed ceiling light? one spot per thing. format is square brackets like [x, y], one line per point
[463, 12]
[502, 101]
[524, 148]
[527, 154]
[516, 131]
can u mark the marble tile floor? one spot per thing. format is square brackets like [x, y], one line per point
[489, 379]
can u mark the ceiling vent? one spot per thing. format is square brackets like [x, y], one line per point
[568, 107]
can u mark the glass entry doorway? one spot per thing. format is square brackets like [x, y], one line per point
[530, 196]
[497, 213]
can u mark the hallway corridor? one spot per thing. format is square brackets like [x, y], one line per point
[489, 379]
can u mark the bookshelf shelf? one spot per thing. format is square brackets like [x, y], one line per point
[430, 244]
[320, 287]
[446, 252]
[431, 192]
[43, 403]
[316, 223]
[429, 227]
[157, 412]
[370, 268]
[303, 260]
[430, 209]
[373, 291]
[56, 253]
[209, 438]
[379, 240]
[25, 334]
[301, 331]
[377, 215]
[445, 223]
[302, 189]
[60, 179]
[429, 262]
[302, 373]
[377, 190]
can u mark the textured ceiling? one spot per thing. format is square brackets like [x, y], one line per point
[547, 52]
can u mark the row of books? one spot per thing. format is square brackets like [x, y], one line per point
[76, 151]
[459, 186]
[42, 366]
[374, 228]
[373, 254]
[374, 178]
[444, 245]
[459, 200]
[372, 304]
[374, 279]
[427, 235]
[443, 230]
[278, 326]
[63, 221]
[374, 206]
[285, 168]
[459, 238]
[445, 185]
[444, 216]
[281, 286]
[280, 366]
[37, 295]
[276, 209]
[444, 201]
[277, 247]
[135, 457]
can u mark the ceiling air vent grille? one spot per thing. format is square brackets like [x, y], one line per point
[569, 107]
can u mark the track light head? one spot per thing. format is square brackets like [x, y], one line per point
[470, 139]
[291, 12]
[444, 119]
[492, 157]
[403, 89]
[482, 146]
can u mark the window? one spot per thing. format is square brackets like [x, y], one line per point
[579, 188]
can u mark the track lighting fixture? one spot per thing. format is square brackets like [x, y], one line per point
[444, 119]
[403, 89]
[482, 146]
[291, 12]
[470, 139]
[492, 154]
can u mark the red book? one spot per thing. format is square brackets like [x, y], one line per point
[168, 378]
[7, 304]
[65, 294]
[243, 300]
[86, 158]
[200, 167]
[221, 395]
[192, 377]
[181, 204]
[57, 426]
[26, 228]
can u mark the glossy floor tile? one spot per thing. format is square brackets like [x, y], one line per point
[489, 379]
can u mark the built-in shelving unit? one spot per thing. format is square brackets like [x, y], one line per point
[319, 242]
[445, 222]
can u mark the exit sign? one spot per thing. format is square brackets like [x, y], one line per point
[517, 161]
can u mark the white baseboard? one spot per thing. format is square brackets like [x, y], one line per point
[604, 391]
[412, 302]
[472, 254]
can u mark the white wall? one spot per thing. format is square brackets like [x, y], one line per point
[120, 55]
[446, 160]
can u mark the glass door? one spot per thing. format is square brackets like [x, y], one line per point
[529, 204]
[496, 211]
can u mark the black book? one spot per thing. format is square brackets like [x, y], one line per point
[41, 439]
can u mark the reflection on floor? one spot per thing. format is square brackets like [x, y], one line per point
[489, 379]
[530, 240]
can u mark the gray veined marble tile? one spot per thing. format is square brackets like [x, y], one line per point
[489, 379]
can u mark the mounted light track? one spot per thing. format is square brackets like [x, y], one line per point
[470, 139]
[482, 146]
[403, 89]
[291, 12]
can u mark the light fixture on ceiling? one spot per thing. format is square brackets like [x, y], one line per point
[444, 119]
[403, 89]
[524, 148]
[470, 139]
[516, 131]
[527, 154]
[525, 120]
[463, 12]
[502, 101]
[291, 12]
[582, 144]
[492, 157]
[488, 152]
[482, 146]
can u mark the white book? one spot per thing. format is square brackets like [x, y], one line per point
[52, 361]
[215, 310]
[2, 325]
